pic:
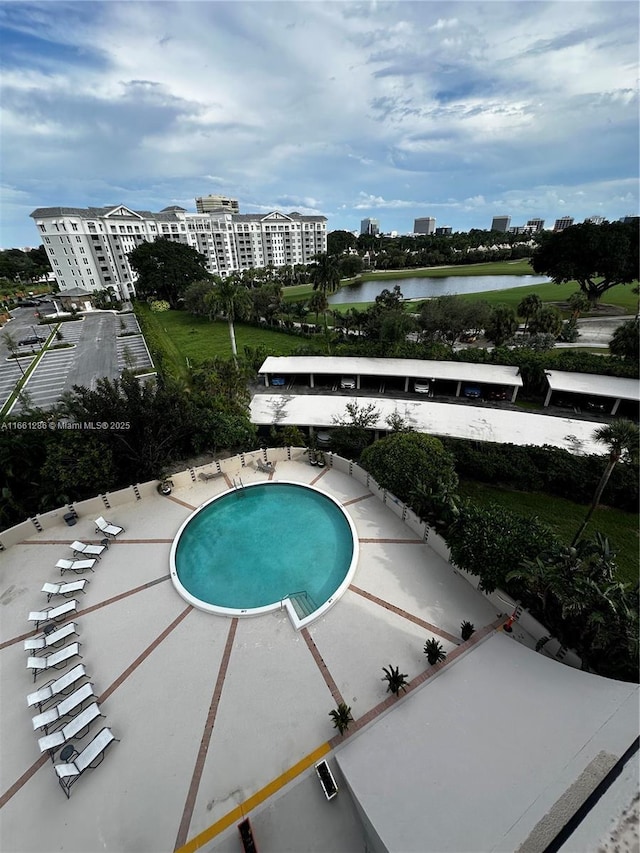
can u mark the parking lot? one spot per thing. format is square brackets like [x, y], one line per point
[76, 352]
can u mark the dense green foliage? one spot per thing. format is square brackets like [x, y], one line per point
[21, 267]
[165, 268]
[544, 469]
[598, 257]
[625, 342]
[405, 462]
[143, 429]
[489, 541]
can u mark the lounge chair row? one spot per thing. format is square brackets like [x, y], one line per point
[65, 715]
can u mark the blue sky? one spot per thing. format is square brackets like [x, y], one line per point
[393, 110]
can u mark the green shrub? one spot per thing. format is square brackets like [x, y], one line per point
[403, 461]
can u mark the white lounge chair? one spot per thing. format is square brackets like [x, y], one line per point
[45, 641]
[209, 475]
[81, 723]
[107, 527]
[88, 550]
[56, 686]
[75, 565]
[265, 467]
[65, 589]
[63, 708]
[53, 661]
[88, 758]
[53, 613]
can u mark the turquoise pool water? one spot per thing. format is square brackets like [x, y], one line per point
[253, 546]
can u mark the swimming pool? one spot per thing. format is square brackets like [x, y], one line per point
[248, 550]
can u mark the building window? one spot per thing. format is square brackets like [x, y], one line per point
[41, 227]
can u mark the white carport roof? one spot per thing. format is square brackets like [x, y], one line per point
[456, 420]
[594, 384]
[498, 374]
[480, 756]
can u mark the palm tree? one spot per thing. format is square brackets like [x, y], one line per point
[230, 298]
[325, 276]
[529, 307]
[396, 680]
[622, 438]
[434, 651]
[341, 717]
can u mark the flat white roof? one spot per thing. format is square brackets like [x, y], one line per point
[457, 420]
[498, 374]
[480, 754]
[594, 384]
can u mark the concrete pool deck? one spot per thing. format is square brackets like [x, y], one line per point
[219, 718]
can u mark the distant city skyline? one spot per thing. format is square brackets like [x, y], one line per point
[401, 110]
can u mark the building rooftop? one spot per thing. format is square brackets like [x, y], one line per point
[221, 718]
[458, 420]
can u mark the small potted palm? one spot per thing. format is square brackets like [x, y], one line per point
[341, 717]
[396, 680]
[434, 651]
[467, 629]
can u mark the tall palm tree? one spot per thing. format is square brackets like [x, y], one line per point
[230, 298]
[325, 276]
[622, 438]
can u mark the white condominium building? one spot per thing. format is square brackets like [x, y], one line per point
[88, 247]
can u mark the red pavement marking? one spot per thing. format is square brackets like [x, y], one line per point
[315, 479]
[390, 700]
[415, 619]
[361, 498]
[86, 610]
[391, 541]
[324, 669]
[206, 739]
[10, 792]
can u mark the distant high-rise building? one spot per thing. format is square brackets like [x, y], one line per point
[630, 220]
[370, 227]
[535, 225]
[424, 225]
[207, 203]
[595, 220]
[444, 231]
[500, 223]
[563, 222]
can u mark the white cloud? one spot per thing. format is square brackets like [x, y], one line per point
[147, 102]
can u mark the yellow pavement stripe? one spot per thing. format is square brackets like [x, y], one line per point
[239, 813]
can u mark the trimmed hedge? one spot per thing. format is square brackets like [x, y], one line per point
[544, 469]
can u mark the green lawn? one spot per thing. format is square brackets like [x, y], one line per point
[565, 517]
[520, 267]
[181, 336]
[620, 296]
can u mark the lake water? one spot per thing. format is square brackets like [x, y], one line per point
[417, 288]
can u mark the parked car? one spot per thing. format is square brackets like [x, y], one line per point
[595, 406]
[473, 392]
[33, 339]
[421, 387]
[278, 381]
[348, 382]
[498, 394]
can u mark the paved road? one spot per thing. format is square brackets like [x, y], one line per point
[103, 344]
